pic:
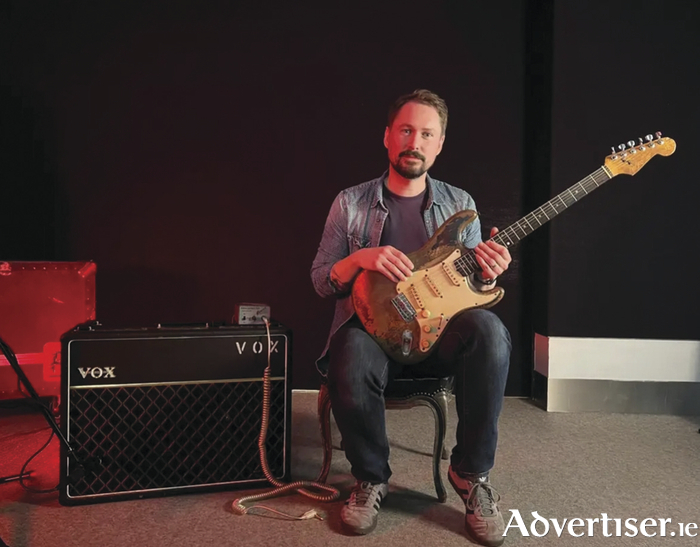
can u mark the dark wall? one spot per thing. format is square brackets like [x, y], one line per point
[193, 151]
[623, 261]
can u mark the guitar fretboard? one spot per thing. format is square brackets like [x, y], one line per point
[467, 264]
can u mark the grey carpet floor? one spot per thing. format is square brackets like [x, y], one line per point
[562, 466]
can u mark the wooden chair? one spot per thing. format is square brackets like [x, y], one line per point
[405, 391]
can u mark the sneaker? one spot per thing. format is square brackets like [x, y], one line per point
[484, 521]
[359, 515]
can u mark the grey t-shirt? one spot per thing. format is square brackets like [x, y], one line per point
[404, 227]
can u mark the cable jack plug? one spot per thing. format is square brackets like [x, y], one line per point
[311, 514]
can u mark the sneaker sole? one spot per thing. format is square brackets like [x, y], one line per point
[359, 531]
[470, 536]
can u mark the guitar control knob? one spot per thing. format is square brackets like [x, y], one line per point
[427, 328]
[425, 344]
[425, 314]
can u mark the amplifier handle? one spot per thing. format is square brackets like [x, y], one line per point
[183, 325]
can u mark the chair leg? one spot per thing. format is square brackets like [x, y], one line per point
[324, 417]
[442, 399]
[438, 448]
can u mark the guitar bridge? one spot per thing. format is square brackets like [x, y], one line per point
[404, 307]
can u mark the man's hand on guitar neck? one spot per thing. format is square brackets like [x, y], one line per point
[386, 260]
[492, 257]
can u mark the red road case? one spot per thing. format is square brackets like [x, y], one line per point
[39, 301]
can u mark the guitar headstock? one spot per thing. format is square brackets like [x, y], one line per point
[630, 158]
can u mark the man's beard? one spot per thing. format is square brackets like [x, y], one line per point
[412, 170]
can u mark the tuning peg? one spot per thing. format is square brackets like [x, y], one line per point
[658, 134]
[621, 147]
[630, 143]
[650, 137]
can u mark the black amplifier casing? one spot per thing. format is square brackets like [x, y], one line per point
[161, 411]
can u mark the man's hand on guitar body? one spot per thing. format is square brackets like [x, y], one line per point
[386, 260]
[493, 258]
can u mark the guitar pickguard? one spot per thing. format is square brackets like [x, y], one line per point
[438, 293]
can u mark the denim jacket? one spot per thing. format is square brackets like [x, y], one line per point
[356, 220]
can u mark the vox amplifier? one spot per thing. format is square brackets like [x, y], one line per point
[160, 411]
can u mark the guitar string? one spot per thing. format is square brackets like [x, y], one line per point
[467, 264]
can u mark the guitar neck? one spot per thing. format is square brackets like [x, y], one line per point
[511, 235]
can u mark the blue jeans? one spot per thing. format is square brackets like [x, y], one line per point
[475, 348]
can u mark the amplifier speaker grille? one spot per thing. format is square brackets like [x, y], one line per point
[171, 436]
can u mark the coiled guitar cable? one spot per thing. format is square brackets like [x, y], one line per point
[302, 487]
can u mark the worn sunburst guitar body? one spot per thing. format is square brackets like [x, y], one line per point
[408, 318]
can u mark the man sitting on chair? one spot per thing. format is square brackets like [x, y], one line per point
[373, 226]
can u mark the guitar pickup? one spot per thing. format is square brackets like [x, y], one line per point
[455, 280]
[433, 286]
[416, 296]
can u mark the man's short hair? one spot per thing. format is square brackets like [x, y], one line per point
[422, 96]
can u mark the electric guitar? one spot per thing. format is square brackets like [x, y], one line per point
[407, 318]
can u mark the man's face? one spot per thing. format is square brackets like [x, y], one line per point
[414, 140]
